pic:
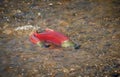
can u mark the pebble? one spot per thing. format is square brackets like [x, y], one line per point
[64, 23]
[35, 70]
[65, 70]
[19, 75]
[50, 4]
[72, 69]
[75, 14]
[7, 31]
[24, 59]
[23, 69]
[22, 74]
[39, 14]
[60, 74]
[18, 11]
[106, 76]
[5, 25]
[59, 3]
[101, 64]
[113, 37]
[117, 36]
[96, 65]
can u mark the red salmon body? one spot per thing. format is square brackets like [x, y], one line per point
[48, 36]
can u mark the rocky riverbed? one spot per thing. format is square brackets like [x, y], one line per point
[94, 24]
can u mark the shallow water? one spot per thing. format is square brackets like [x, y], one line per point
[92, 24]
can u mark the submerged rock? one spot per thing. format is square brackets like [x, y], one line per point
[8, 31]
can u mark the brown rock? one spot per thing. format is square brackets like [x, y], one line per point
[64, 23]
[8, 31]
[117, 36]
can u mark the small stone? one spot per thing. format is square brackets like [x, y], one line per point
[28, 3]
[32, 58]
[60, 74]
[5, 25]
[50, 4]
[39, 14]
[96, 65]
[7, 31]
[115, 71]
[106, 76]
[65, 70]
[72, 69]
[8, 19]
[10, 67]
[59, 3]
[24, 59]
[23, 69]
[19, 75]
[35, 70]
[117, 36]
[18, 11]
[22, 74]
[50, 73]
[75, 14]
[64, 23]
